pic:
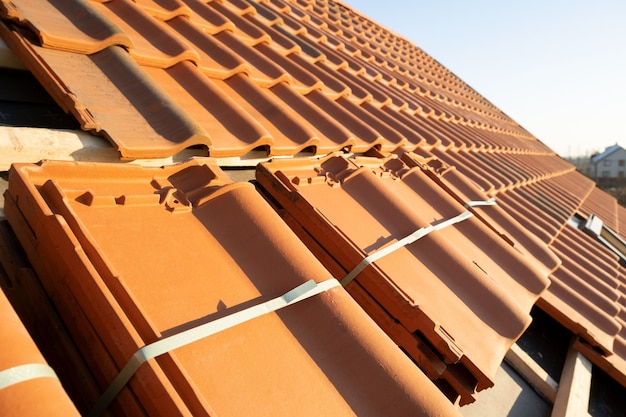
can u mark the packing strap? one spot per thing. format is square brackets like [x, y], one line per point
[167, 344]
[418, 234]
[22, 373]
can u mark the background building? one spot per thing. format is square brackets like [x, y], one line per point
[610, 164]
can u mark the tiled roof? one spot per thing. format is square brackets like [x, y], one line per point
[237, 76]
[400, 145]
[607, 152]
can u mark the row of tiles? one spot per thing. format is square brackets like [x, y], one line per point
[205, 245]
[464, 289]
[587, 293]
[234, 95]
[544, 205]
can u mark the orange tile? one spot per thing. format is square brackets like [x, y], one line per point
[215, 60]
[140, 127]
[211, 105]
[261, 70]
[67, 25]
[153, 42]
[165, 9]
[38, 314]
[613, 364]
[602, 205]
[25, 375]
[187, 268]
[419, 350]
[495, 217]
[461, 387]
[246, 30]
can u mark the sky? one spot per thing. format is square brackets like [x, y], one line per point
[558, 68]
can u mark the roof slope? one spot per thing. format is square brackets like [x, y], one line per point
[235, 76]
[314, 77]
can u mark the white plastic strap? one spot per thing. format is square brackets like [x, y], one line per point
[418, 234]
[490, 202]
[24, 373]
[302, 292]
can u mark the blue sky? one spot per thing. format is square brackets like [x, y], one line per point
[558, 68]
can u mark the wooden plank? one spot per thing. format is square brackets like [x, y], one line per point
[534, 374]
[572, 399]
[26, 144]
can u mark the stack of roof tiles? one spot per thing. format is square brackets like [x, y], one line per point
[354, 208]
[193, 269]
[19, 360]
[384, 143]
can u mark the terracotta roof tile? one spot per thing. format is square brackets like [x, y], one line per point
[74, 26]
[603, 205]
[355, 207]
[495, 217]
[21, 358]
[583, 295]
[621, 221]
[22, 287]
[323, 350]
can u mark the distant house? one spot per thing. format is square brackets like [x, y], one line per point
[610, 164]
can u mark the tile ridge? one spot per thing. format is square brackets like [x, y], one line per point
[89, 32]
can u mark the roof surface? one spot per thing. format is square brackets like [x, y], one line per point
[382, 142]
[237, 76]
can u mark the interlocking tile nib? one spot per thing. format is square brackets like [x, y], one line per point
[203, 248]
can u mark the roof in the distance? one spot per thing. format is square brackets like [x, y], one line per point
[608, 151]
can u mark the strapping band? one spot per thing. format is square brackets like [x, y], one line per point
[418, 234]
[490, 202]
[24, 373]
[302, 292]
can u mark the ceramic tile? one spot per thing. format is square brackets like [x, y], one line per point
[20, 357]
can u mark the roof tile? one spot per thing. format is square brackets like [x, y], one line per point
[74, 26]
[20, 352]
